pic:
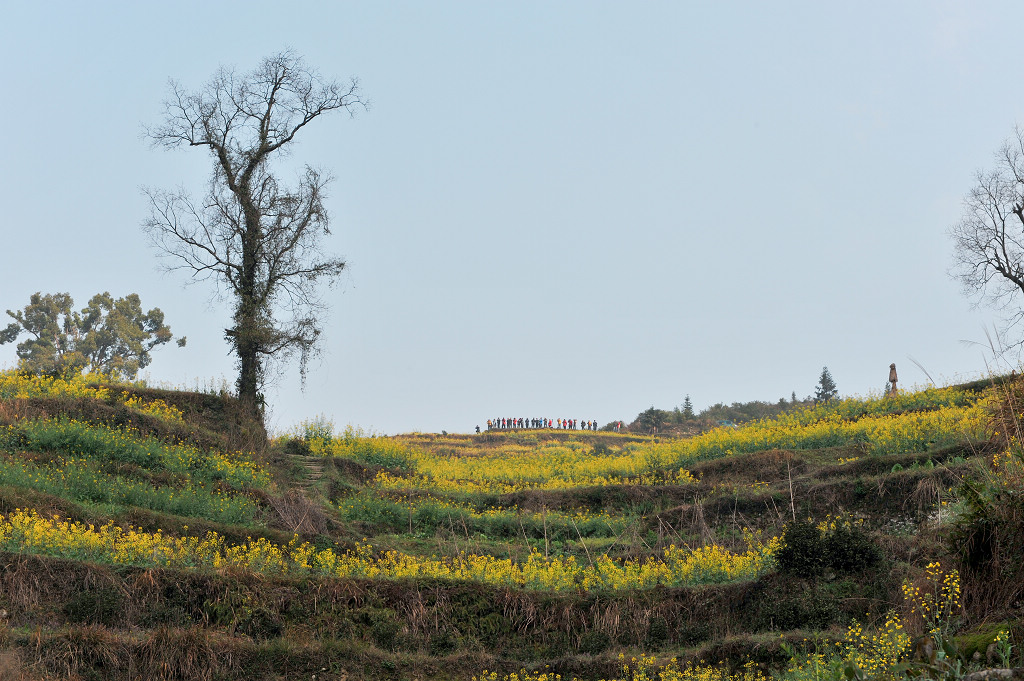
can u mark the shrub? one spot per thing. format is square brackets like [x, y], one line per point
[594, 642]
[103, 605]
[803, 551]
[807, 550]
[850, 549]
[657, 632]
[692, 633]
[442, 643]
[384, 632]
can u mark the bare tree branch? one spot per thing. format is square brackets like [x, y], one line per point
[253, 235]
[988, 241]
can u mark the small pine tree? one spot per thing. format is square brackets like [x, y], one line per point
[687, 408]
[826, 389]
[793, 397]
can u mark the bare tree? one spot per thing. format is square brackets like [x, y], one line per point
[259, 240]
[989, 238]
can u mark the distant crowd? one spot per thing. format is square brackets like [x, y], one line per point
[557, 424]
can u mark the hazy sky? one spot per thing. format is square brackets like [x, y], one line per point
[571, 209]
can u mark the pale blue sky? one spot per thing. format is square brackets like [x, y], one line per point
[572, 209]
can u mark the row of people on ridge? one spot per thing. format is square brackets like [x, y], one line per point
[559, 424]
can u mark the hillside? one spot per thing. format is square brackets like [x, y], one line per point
[157, 534]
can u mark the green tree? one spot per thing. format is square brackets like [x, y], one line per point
[826, 389]
[110, 336]
[652, 419]
[259, 239]
[687, 408]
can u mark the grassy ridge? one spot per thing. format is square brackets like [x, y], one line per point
[425, 556]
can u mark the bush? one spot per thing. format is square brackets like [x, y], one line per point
[692, 633]
[657, 632]
[803, 550]
[442, 643]
[594, 642]
[806, 550]
[384, 632]
[850, 549]
[96, 606]
[783, 608]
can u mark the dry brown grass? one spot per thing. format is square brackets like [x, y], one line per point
[296, 513]
[11, 668]
[168, 653]
[78, 650]
[12, 410]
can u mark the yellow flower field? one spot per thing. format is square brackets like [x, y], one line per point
[18, 385]
[27, 531]
[953, 416]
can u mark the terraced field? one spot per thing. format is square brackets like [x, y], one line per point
[157, 534]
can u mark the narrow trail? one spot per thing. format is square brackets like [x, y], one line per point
[312, 471]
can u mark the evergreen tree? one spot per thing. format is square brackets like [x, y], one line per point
[687, 408]
[826, 389]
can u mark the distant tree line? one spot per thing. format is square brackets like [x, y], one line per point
[653, 420]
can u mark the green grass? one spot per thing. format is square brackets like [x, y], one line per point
[94, 441]
[84, 481]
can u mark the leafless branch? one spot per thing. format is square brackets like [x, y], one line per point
[258, 238]
[988, 241]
